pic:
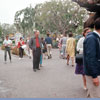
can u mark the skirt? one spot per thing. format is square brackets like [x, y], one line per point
[79, 69]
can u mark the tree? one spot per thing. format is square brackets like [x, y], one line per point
[25, 20]
[8, 29]
[0, 31]
[60, 16]
[92, 6]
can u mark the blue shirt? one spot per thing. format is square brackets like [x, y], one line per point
[48, 40]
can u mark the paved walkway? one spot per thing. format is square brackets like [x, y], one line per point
[54, 80]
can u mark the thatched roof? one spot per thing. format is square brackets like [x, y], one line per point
[92, 6]
[91, 20]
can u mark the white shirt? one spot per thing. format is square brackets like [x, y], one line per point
[7, 43]
[96, 33]
[80, 45]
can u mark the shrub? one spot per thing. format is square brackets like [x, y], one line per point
[15, 51]
[2, 47]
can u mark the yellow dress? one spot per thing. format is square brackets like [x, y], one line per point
[70, 47]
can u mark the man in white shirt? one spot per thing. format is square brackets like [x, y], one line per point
[7, 43]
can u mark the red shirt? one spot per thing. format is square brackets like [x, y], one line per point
[20, 44]
[37, 42]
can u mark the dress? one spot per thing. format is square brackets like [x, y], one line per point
[70, 47]
[79, 69]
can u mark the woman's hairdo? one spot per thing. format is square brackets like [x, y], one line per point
[85, 30]
[70, 35]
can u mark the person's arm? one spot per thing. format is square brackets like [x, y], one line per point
[31, 43]
[67, 44]
[51, 42]
[91, 52]
[80, 46]
[5, 44]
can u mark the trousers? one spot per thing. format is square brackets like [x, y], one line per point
[93, 91]
[49, 48]
[21, 52]
[36, 58]
[7, 49]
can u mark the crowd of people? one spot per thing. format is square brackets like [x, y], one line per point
[87, 56]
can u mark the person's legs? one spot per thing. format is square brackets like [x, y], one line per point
[72, 58]
[34, 60]
[93, 91]
[45, 55]
[84, 82]
[63, 50]
[50, 51]
[38, 57]
[29, 53]
[5, 55]
[9, 53]
[20, 52]
[41, 60]
[68, 57]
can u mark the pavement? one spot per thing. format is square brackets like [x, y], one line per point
[54, 80]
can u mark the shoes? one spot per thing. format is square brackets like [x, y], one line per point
[10, 61]
[38, 69]
[48, 57]
[19, 58]
[34, 70]
[85, 88]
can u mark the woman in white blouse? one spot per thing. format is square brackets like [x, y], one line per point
[80, 67]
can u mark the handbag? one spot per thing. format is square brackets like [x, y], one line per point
[23, 47]
[79, 58]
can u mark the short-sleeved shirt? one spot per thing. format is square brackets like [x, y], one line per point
[7, 42]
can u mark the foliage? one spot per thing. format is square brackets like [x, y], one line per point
[8, 29]
[15, 51]
[24, 20]
[0, 30]
[55, 16]
[2, 47]
[59, 16]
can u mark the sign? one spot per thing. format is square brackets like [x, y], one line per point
[17, 37]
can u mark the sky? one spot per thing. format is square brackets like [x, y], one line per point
[8, 8]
